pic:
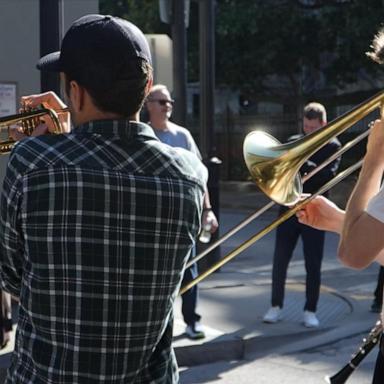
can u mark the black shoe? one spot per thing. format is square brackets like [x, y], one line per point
[375, 307]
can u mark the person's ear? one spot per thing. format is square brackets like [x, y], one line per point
[148, 86]
[76, 95]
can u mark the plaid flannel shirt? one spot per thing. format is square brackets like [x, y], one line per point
[96, 227]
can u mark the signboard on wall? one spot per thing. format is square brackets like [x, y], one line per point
[8, 94]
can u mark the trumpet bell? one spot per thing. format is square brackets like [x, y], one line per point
[275, 174]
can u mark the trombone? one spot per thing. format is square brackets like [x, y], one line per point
[269, 205]
[274, 167]
[28, 121]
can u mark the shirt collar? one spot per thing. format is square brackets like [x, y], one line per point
[121, 128]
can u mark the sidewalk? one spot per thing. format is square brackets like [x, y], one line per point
[233, 306]
[233, 301]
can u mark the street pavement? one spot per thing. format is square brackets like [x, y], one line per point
[239, 347]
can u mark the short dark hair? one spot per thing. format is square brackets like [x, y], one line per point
[315, 111]
[377, 46]
[121, 90]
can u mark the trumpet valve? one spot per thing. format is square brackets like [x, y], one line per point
[29, 124]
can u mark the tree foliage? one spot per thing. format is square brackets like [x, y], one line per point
[321, 45]
[271, 46]
[143, 13]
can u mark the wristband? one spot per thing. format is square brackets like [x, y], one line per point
[207, 209]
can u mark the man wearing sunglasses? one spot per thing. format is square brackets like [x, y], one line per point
[159, 106]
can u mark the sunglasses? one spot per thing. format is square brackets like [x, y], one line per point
[163, 101]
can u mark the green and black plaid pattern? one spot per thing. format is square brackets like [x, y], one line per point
[96, 228]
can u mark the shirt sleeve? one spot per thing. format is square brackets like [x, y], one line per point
[11, 244]
[375, 206]
[192, 147]
[326, 173]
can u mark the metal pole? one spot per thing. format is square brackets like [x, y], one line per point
[50, 38]
[179, 39]
[207, 75]
[207, 110]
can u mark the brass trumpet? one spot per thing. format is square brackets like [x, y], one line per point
[28, 121]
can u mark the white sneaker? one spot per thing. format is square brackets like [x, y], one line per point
[310, 319]
[273, 315]
[195, 331]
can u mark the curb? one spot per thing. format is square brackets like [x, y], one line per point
[285, 338]
[238, 348]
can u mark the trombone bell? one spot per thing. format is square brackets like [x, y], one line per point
[275, 167]
[275, 173]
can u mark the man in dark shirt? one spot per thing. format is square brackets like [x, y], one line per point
[288, 232]
[97, 224]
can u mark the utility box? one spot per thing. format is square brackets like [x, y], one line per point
[161, 50]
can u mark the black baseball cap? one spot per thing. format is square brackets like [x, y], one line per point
[96, 40]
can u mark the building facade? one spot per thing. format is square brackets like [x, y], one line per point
[20, 50]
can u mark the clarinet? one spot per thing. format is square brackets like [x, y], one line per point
[366, 347]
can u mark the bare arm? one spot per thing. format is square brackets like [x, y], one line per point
[323, 214]
[362, 237]
[208, 214]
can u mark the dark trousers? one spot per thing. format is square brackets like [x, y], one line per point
[189, 298]
[287, 235]
[378, 375]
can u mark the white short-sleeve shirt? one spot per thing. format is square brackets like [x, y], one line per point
[375, 206]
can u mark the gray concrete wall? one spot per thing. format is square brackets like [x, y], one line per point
[73, 9]
[20, 43]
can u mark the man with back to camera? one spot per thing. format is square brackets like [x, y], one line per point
[159, 106]
[98, 223]
[288, 233]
